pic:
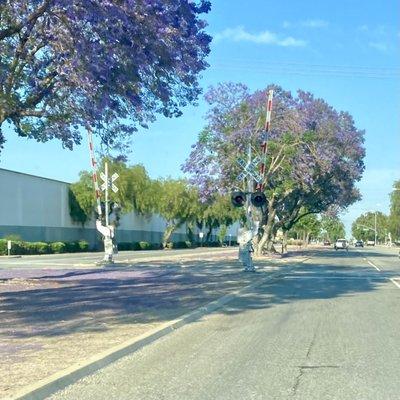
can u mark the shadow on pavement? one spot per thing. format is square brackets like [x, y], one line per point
[312, 281]
[63, 302]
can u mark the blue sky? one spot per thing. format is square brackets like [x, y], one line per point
[347, 52]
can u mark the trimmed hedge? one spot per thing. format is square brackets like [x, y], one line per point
[137, 246]
[179, 245]
[145, 246]
[24, 248]
[58, 247]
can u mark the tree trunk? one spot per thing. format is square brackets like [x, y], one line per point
[208, 234]
[267, 237]
[167, 233]
[284, 242]
[190, 234]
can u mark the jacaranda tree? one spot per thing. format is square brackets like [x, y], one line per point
[315, 153]
[110, 64]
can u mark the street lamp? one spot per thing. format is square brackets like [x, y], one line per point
[368, 228]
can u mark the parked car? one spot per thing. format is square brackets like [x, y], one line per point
[359, 243]
[341, 244]
[327, 243]
[370, 243]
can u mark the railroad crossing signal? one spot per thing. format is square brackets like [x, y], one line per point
[109, 182]
[257, 199]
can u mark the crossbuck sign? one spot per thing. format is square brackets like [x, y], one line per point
[250, 170]
[109, 182]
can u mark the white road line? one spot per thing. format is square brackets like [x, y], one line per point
[373, 265]
[391, 279]
[394, 282]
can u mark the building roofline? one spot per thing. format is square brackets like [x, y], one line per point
[34, 176]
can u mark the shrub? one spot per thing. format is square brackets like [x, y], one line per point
[20, 248]
[126, 246]
[145, 245]
[17, 247]
[211, 244]
[136, 246]
[179, 245]
[295, 242]
[23, 248]
[83, 245]
[3, 247]
[71, 247]
[58, 247]
[38, 248]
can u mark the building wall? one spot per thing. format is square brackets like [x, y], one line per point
[37, 209]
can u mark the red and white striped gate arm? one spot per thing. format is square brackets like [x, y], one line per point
[94, 171]
[266, 131]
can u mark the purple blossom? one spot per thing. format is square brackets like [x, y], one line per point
[111, 64]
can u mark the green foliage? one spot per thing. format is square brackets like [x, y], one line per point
[58, 247]
[222, 233]
[129, 246]
[332, 228]
[3, 247]
[179, 245]
[306, 227]
[20, 247]
[38, 248]
[136, 191]
[211, 244]
[394, 217]
[81, 199]
[124, 246]
[145, 246]
[363, 228]
[177, 203]
[220, 211]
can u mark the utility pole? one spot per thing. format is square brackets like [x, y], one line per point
[375, 230]
[107, 206]
[106, 230]
[251, 197]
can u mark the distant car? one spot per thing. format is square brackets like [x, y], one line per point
[341, 244]
[370, 243]
[359, 243]
[327, 243]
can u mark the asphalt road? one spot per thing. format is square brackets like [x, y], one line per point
[328, 329]
[82, 260]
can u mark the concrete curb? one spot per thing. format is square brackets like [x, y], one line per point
[68, 376]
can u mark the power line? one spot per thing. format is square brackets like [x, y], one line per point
[308, 69]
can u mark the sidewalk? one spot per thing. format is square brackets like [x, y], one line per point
[53, 318]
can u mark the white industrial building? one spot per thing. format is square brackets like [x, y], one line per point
[37, 209]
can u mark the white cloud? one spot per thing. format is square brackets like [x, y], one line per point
[314, 23]
[308, 23]
[363, 28]
[380, 46]
[239, 34]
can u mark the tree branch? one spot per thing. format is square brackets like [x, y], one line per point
[32, 18]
